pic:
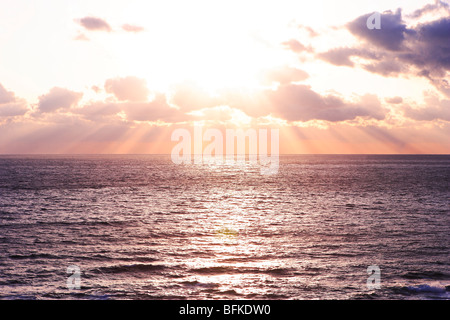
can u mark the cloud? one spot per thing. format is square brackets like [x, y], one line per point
[437, 6]
[311, 32]
[284, 75]
[6, 96]
[391, 67]
[441, 112]
[94, 24]
[301, 103]
[296, 46]
[132, 28]
[421, 50]
[13, 109]
[98, 110]
[341, 56]
[431, 47]
[81, 37]
[434, 109]
[394, 100]
[158, 109]
[426, 53]
[58, 98]
[107, 111]
[96, 89]
[389, 37]
[128, 88]
[10, 105]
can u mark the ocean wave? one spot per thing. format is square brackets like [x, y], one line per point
[35, 256]
[132, 268]
[64, 224]
[425, 288]
[200, 284]
[432, 275]
[434, 290]
[238, 270]
[12, 282]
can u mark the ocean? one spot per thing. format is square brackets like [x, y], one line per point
[142, 227]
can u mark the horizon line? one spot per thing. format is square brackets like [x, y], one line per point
[280, 154]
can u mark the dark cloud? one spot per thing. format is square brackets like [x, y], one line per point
[430, 49]
[442, 85]
[395, 49]
[128, 88]
[389, 37]
[58, 98]
[301, 103]
[132, 28]
[94, 24]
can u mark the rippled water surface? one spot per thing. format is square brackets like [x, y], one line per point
[141, 227]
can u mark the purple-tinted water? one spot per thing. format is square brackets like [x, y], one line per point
[141, 227]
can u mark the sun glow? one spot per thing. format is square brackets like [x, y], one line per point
[215, 46]
[204, 56]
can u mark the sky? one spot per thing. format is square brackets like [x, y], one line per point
[121, 76]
